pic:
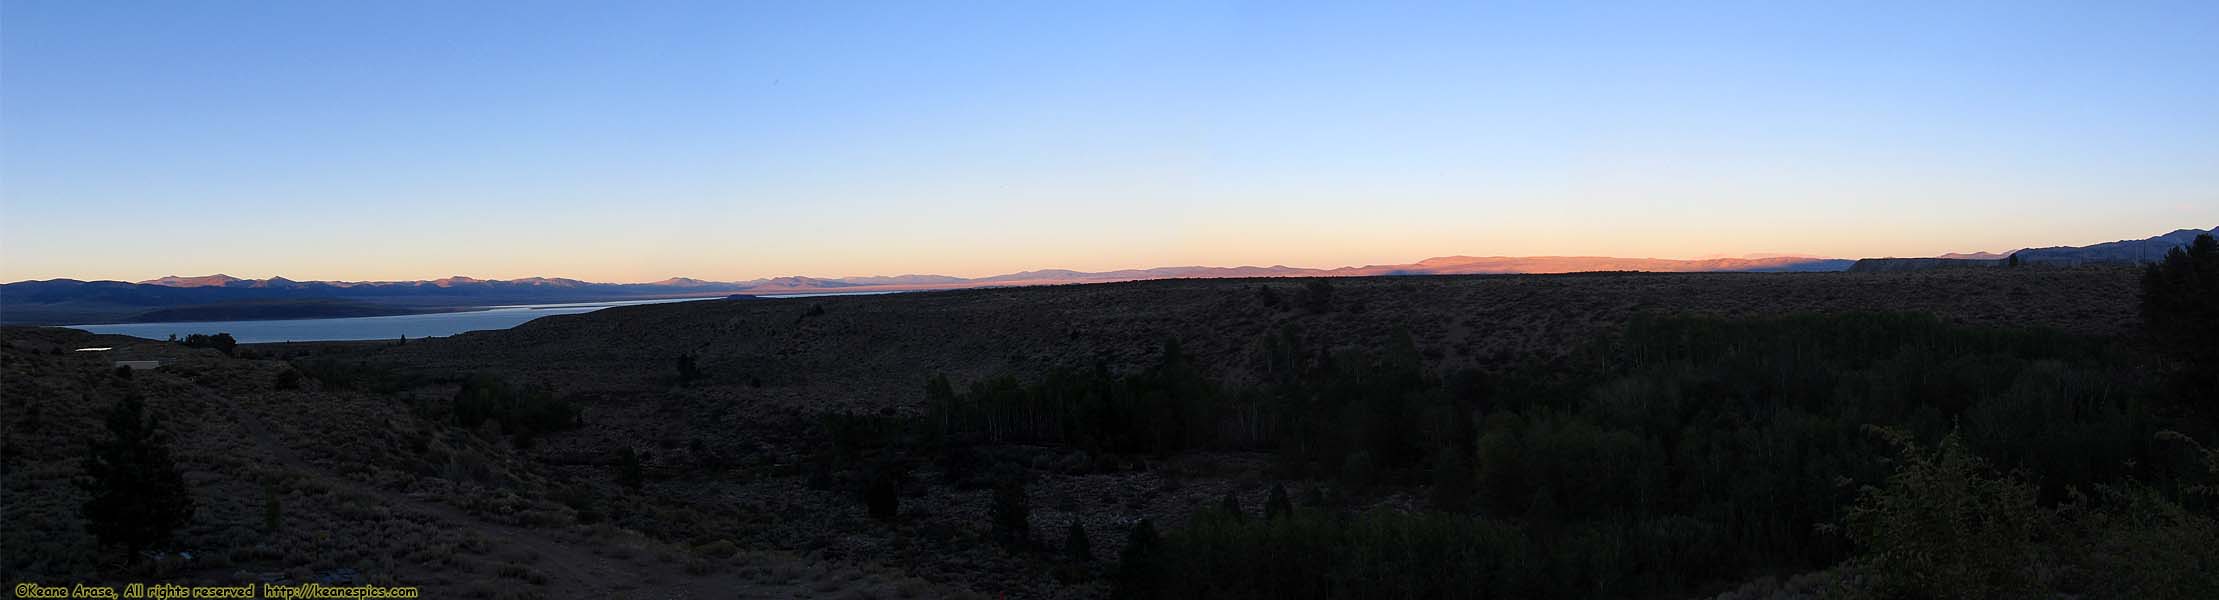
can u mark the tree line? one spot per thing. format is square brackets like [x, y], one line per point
[1932, 459]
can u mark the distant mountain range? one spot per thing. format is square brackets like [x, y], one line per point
[2119, 252]
[69, 301]
[2126, 251]
[172, 298]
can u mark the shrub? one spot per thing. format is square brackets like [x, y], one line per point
[1269, 297]
[287, 379]
[138, 496]
[628, 468]
[687, 370]
[821, 470]
[1011, 517]
[359, 376]
[582, 500]
[1136, 564]
[1075, 545]
[273, 513]
[1231, 507]
[1278, 505]
[1317, 296]
[1358, 473]
[882, 494]
[2149, 546]
[1944, 527]
[961, 465]
[522, 411]
[1165, 408]
[222, 342]
[1452, 481]
[717, 549]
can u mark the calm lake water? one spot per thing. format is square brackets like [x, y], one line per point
[381, 328]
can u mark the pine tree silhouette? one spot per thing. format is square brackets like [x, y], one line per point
[138, 496]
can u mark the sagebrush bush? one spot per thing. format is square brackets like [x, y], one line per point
[1277, 505]
[1317, 296]
[2148, 546]
[1230, 507]
[1945, 526]
[360, 376]
[1011, 516]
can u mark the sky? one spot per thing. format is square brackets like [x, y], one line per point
[633, 141]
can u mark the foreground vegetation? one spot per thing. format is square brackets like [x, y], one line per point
[1685, 453]
[1878, 454]
[1903, 456]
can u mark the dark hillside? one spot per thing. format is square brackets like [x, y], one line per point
[317, 474]
[1580, 432]
[871, 351]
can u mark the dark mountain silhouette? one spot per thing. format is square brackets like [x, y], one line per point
[2119, 252]
[58, 301]
[2122, 251]
[315, 308]
[1977, 255]
[1892, 265]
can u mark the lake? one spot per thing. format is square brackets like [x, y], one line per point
[386, 328]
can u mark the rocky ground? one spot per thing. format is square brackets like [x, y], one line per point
[373, 489]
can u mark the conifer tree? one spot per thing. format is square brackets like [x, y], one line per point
[2180, 309]
[1136, 563]
[1278, 505]
[1075, 545]
[1012, 518]
[882, 494]
[138, 496]
[628, 468]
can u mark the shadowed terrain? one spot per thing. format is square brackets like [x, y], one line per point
[720, 445]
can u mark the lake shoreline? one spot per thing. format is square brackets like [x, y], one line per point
[432, 323]
[436, 323]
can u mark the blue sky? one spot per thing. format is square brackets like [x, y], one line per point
[730, 140]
